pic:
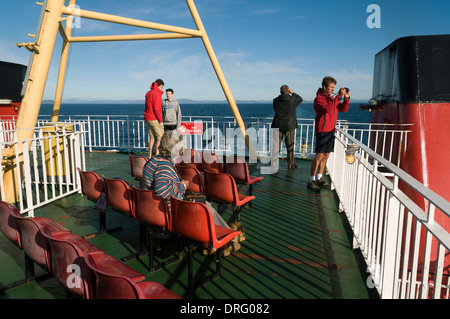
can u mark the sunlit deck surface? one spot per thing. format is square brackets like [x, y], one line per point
[298, 244]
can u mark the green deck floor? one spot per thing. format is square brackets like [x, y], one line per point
[298, 245]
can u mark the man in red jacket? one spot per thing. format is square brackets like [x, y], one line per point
[327, 108]
[153, 115]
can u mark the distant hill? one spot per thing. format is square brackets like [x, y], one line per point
[182, 101]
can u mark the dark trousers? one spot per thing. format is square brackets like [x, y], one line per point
[168, 127]
[289, 140]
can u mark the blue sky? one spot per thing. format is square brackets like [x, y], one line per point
[260, 46]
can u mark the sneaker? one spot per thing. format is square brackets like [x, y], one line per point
[208, 251]
[232, 246]
[322, 183]
[313, 186]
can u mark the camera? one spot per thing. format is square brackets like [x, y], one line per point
[347, 90]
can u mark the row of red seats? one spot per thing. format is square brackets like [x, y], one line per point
[200, 160]
[219, 179]
[153, 213]
[82, 268]
[204, 161]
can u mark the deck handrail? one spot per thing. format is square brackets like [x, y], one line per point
[129, 133]
[402, 262]
[48, 172]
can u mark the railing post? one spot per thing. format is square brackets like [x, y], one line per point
[389, 276]
[27, 180]
[89, 133]
[128, 134]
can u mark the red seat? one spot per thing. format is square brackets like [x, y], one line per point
[237, 167]
[195, 224]
[153, 212]
[11, 229]
[137, 164]
[91, 184]
[8, 224]
[211, 162]
[221, 188]
[34, 244]
[118, 281]
[68, 253]
[192, 175]
[119, 196]
[93, 188]
[191, 158]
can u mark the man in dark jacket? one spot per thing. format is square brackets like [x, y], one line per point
[285, 120]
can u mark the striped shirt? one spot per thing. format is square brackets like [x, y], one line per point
[160, 175]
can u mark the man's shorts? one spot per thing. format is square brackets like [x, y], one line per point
[324, 142]
[155, 129]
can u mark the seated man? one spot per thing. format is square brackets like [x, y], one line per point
[160, 175]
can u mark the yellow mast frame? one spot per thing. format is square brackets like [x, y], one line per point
[42, 50]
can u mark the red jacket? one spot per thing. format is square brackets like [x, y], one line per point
[153, 104]
[327, 108]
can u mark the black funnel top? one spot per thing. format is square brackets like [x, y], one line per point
[11, 81]
[413, 69]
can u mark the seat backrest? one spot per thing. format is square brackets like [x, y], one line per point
[193, 221]
[211, 162]
[91, 184]
[111, 286]
[192, 158]
[192, 175]
[151, 208]
[8, 224]
[237, 168]
[220, 187]
[137, 164]
[68, 263]
[118, 195]
[35, 245]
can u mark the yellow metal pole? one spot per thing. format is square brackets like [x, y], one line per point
[128, 21]
[132, 37]
[220, 76]
[31, 102]
[62, 66]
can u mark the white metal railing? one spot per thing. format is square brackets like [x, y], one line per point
[222, 135]
[129, 133]
[47, 169]
[405, 246]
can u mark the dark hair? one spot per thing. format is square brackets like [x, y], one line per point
[328, 80]
[159, 82]
[169, 90]
[284, 89]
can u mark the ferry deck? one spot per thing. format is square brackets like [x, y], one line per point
[298, 244]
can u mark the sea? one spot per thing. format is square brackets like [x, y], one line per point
[304, 111]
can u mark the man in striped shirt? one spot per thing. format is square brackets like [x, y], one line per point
[160, 174]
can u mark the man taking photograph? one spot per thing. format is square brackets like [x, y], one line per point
[327, 108]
